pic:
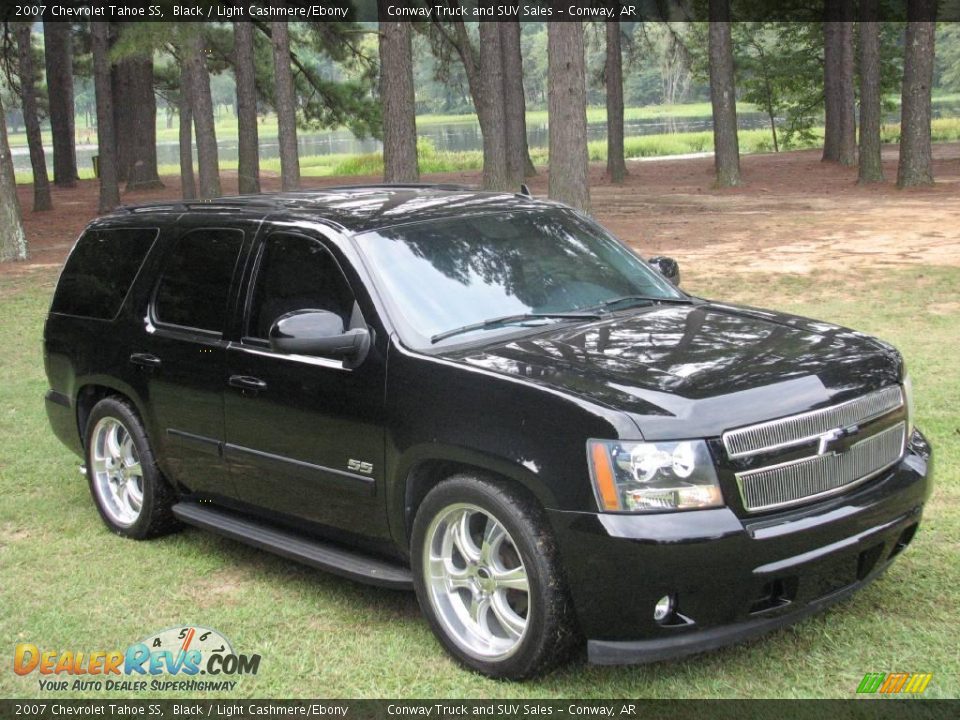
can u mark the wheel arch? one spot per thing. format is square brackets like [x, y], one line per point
[432, 465]
[95, 389]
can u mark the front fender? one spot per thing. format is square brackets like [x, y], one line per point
[423, 466]
[442, 411]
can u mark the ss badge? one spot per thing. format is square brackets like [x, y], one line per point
[359, 466]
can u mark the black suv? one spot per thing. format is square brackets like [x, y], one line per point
[488, 399]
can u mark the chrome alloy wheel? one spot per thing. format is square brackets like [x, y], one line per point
[117, 475]
[476, 582]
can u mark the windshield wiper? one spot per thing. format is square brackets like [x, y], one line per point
[508, 319]
[644, 298]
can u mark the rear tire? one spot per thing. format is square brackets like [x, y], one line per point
[132, 496]
[488, 578]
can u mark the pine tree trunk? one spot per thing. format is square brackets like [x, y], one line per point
[847, 149]
[28, 98]
[839, 135]
[613, 74]
[569, 162]
[916, 159]
[399, 106]
[58, 57]
[496, 173]
[13, 241]
[188, 182]
[106, 137]
[142, 171]
[460, 41]
[122, 110]
[286, 107]
[519, 163]
[871, 166]
[248, 166]
[203, 123]
[831, 91]
[726, 144]
[487, 112]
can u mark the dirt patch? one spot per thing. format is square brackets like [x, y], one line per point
[221, 588]
[10, 533]
[944, 308]
[19, 275]
[794, 214]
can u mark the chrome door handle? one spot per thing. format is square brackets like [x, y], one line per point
[145, 360]
[245, 382]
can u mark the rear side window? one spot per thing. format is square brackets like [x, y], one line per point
[195, 284]
[100, 271]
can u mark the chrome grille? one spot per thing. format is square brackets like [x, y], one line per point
[798, 429]
[821, 475]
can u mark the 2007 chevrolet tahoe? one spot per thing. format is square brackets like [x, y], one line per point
[489, 399]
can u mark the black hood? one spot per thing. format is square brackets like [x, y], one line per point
[697, 370]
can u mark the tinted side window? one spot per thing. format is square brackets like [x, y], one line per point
[296, 273]
[100, 270]
[195, 283]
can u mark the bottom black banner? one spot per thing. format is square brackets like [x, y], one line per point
[462, 709]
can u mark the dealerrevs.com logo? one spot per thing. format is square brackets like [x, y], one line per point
[181, 659]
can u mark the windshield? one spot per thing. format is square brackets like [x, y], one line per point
[442, 275]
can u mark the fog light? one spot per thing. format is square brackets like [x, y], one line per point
[663, 609]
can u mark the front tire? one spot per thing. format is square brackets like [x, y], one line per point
[488, 579]
[132, 496]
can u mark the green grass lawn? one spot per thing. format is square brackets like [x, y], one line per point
[67, 583]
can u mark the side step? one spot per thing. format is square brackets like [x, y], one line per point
[318, 554]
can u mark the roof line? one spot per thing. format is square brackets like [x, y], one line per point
[313, 201]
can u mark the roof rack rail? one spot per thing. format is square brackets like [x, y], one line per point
[232, 202]
[149, 207]
[186, 205]
[159, 206]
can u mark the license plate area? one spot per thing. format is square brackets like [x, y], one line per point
[831, 575]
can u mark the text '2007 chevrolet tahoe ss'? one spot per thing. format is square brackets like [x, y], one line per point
[488, 399]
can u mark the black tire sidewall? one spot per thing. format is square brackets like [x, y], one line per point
[514, 513]
[120, 410]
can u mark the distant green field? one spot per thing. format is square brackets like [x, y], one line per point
[67, 583]
[432, 160]
[435, 161]
[226, 123]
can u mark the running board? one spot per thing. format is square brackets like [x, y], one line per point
[325, 556]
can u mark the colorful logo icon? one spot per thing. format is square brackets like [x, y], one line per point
[894, 683]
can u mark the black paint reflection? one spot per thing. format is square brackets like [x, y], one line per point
[669, 361]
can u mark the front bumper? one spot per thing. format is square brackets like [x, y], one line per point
[732, 577]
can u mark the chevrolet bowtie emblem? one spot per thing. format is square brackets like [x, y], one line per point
[837, 440]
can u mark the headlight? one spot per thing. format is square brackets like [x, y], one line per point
[653, 476]
[908, 394]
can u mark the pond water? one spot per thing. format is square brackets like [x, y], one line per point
[456, 136]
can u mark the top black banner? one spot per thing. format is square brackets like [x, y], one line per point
[49, 708]
[476, 10]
